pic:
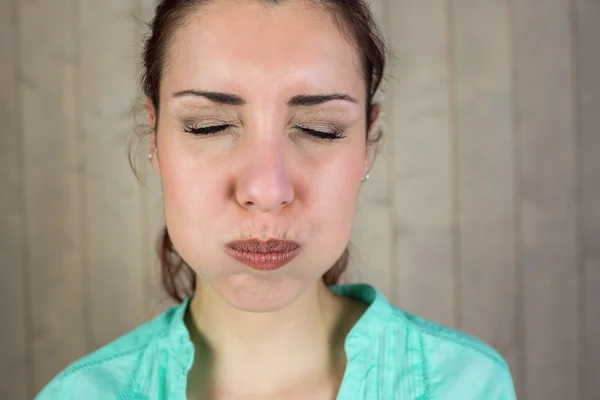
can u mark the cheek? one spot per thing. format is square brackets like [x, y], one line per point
[336, 194]
[190, 189]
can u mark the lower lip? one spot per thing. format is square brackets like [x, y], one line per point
[264, 261]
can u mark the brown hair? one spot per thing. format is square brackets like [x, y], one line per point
[354, 19]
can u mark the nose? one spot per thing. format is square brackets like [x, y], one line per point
[263, 181]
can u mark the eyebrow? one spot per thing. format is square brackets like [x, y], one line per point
[215, 97]
[302, 100]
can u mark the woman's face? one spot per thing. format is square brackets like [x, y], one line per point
[237, 154]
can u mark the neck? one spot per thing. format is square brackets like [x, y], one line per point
[267, 352]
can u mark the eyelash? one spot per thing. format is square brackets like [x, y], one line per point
[211, 130]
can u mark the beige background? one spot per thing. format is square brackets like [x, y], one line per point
[482, 211]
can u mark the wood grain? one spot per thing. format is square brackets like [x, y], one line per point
[588, 101]
[423, 161]
[112, 194]
[14, 382]
[548, 193]
[481, 211]
[55, 246]
[486, 170]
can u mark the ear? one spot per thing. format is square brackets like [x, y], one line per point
[151, 112]
[374, 117]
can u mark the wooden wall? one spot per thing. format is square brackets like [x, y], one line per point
[482, 212]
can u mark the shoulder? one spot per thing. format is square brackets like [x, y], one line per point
[455, 364]
[114, 368]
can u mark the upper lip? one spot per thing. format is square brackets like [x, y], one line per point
[264, 246]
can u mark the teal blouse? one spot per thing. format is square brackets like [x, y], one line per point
[391, 355]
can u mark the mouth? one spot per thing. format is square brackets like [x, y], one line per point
[263, 255]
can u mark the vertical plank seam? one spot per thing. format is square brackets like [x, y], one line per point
[80, 146]
[578, 195]
[22, 163]
[390, 163]
[454, 165]
[518, 217]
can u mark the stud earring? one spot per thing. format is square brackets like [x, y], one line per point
[365, 178]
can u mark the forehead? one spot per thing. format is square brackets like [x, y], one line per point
[250, 47]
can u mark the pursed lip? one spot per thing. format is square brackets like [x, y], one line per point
[268, 246]
[263, 255]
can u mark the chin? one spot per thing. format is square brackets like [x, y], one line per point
[251, 293]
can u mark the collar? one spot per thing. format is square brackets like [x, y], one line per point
[373, 321]
[361, 337]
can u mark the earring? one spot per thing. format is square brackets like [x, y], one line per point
[149, 156]
[365, 178]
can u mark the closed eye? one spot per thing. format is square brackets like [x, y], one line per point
[207, 130]
[334, 135]
[211, 130]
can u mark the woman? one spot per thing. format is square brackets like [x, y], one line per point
[263, 119]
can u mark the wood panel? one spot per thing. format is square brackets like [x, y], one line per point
[423, 162]
[486, 170]
[588, 61]
[370, 246]
[547, 187]
[481, 211]
[112, 195]
[14, 345]
[55, 247]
